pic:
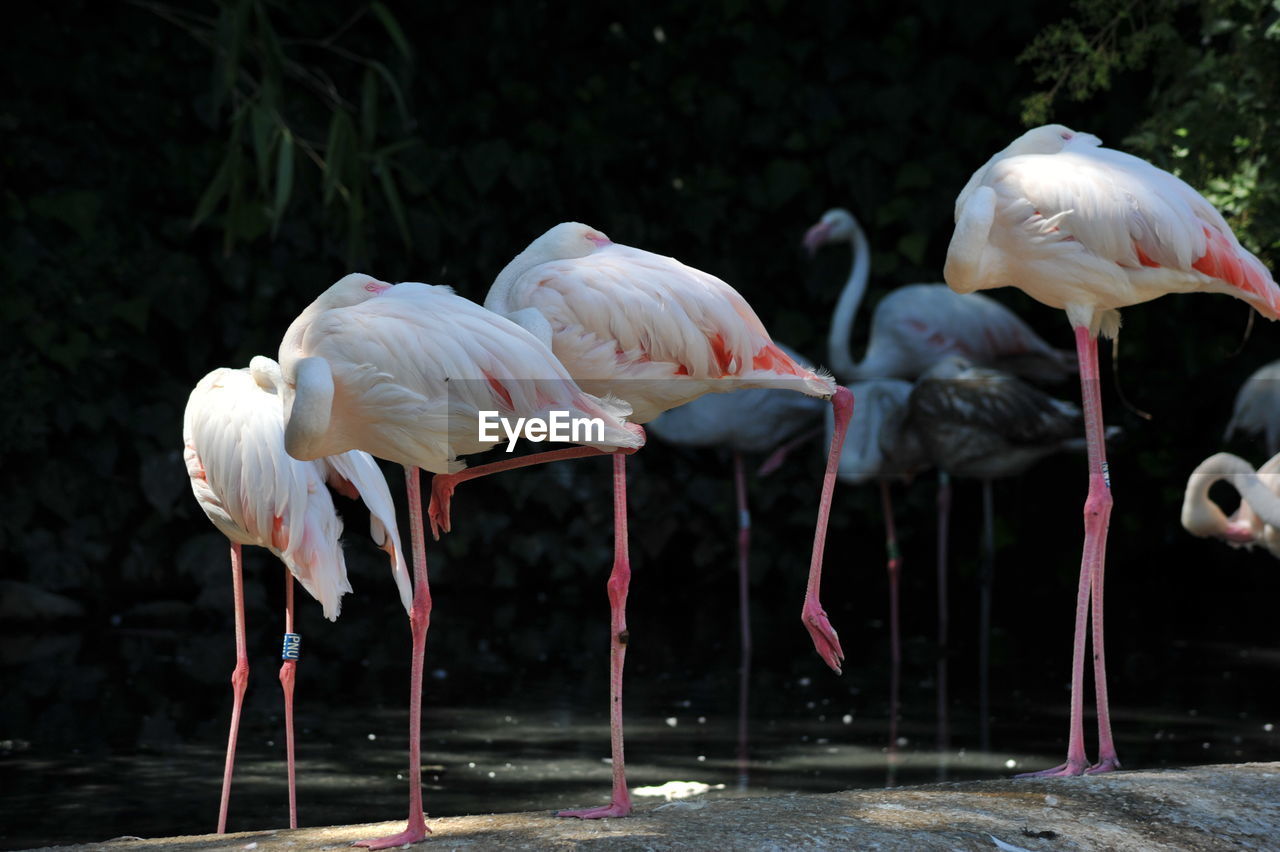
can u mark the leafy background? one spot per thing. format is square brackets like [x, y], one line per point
[179, 180]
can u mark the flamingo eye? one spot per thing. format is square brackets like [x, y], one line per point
[1065, 135]
[372, 288]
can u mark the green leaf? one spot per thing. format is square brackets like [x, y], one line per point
[369, 109]
[284, 179]
[337, 153]
[396, 93]
[214, 192]
[393, 201]
[393, 29]
[262, 128]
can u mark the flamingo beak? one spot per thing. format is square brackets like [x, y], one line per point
[816, 237]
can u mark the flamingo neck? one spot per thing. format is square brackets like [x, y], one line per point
[841, 361]
[1202, 517]
[499, 298]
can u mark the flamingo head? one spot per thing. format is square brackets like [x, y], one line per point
[266, 373]
[353, 289]
[1050, 139]
[835, 224]
[569, 240]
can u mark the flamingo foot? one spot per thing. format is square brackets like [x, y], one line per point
[411, 834]
[1070, 769]
[825, 640]
[442, 485]
[1106, 764]
[613, 809]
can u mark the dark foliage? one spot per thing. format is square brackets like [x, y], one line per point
[174, 199]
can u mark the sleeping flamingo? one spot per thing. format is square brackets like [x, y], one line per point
[404, 372]
[254, 493]
[1090, 230]
[1256, 521]
[656, 333]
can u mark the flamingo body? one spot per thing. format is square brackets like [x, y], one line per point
[404, 372]
[256, 494]
[1255, 522]
[1089, 229]
[640, 325]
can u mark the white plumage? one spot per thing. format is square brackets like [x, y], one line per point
[256, 494]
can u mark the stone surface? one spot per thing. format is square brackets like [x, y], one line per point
[1201, 808]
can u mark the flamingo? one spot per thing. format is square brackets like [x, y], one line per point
[1257, 407]
[404, 372]
[657, 333]
[915, 325]
[986, 424]
[757, 420]
[880, 445]
[255, 494]
[1256, 521]
[1090, 230]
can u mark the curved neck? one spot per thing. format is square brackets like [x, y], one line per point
[497, 298]
[838, 355]
[308, 409]
[1201, 516]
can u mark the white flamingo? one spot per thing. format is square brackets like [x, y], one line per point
[255, 494]
[1255, 522]
[1090, 230]
[404, 372]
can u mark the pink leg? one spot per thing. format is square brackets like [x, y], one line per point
[287, 673]
[239, 679]
[442, 484]
[1097, 513]
[895, 639]
[419, 620]
[619, 582]
[825, 640]
[744, 618]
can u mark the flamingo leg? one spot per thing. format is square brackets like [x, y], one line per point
[443, 484]
[239, 680]
[825, 640]
[419, 620]
[1097, 514]
[894, 568]
[744, 618]
[944, 618]
[778, 456]
[984, 618]
[618, 585]
[287, 675]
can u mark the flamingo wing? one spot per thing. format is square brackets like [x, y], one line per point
[1257, 407]
[359, 471]
[621, 307]
[996, 403]
[1125, 210]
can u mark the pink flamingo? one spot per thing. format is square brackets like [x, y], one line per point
[404, 372]
[254, 493]
[1090, 230]
[1256, 521]
[650, 330]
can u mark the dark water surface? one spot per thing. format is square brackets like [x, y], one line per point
[542, 748]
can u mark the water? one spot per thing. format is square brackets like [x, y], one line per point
[535, 750]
